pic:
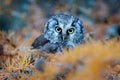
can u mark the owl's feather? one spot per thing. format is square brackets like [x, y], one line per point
[45, 45]
[39, 42]
[53, 40]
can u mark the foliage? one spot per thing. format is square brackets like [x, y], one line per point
[93, 60]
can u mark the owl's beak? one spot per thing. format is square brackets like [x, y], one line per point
[63, 36]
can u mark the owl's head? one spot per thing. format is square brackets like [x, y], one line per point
[65, 29]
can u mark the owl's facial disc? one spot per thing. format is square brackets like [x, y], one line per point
[64, 32]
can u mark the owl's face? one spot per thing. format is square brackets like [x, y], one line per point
[65, 29]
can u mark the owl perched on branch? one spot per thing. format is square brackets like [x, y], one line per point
[61, 31]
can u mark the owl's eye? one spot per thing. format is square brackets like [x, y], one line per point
[58, 29]
[70, 31]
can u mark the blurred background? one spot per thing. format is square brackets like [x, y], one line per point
[102, 17]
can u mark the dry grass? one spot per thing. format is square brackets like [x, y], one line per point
[95, 60]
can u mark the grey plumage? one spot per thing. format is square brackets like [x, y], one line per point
[45, 46]
[61, 31]
[39, 63]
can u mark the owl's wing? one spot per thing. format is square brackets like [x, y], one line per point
[52, 48]
[39, 42]
[44, 45]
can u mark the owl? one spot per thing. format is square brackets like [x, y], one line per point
[60, 32]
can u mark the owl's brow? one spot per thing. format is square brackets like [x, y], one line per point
[74, 21]
[56, 21]
[79, 23]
